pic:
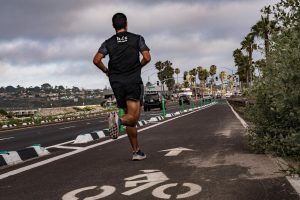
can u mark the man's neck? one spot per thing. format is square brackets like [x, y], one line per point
[122, 30]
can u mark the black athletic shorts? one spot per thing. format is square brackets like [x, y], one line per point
[124, 92]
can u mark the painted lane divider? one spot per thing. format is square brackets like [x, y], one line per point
[15, 157]
[8, 138]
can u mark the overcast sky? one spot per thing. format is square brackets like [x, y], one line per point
[54, 41]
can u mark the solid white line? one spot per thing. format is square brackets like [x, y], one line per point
[60, 144]
[295, 182]
[245, 125]
[7, 138]
[67, 147]
[44, 162]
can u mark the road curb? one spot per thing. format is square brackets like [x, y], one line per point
[15, 157]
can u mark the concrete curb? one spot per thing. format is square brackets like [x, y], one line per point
[88, 137]
[15, 157]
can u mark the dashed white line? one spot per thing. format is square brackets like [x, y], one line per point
[7, 138]
[67, 127]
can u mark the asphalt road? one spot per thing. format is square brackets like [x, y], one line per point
[209, 159]
[51, 134]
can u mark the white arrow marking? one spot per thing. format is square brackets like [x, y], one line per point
[176, 151]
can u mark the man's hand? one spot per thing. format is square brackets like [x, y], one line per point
[98, 62]
[146, 58]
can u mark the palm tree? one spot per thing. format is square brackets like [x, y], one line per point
[212, 72]
[222, 77]
[249, 46]
[177, 71]
[263, 29]
[242, 63]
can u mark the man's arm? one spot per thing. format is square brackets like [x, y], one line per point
[146, 58]
[98, 62]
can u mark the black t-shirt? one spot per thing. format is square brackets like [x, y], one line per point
[124, 57]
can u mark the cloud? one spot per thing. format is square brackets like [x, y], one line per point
[55, 40]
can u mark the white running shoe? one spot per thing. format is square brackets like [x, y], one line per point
[113, 125]
[138, 156]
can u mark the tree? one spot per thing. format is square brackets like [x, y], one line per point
[203, 75]
[185, 79]
[165, 73]
[61, 88]
[263, 29]
[193, 74]
[212, 72]
[242, 63]
[10, 89]
[46, 87]
[249, 46]
[222, 77]
[75, 89]
[177, 71]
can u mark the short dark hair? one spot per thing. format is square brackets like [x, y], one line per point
[119, 21]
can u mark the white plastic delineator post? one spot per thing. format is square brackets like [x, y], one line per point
[100, 134]
[41, 151]
[83, 138]
[11, 158]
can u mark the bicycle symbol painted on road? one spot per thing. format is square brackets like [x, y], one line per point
[138, 183]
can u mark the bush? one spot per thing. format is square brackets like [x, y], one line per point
[276, 114]
[3, 112]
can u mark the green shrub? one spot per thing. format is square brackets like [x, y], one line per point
[276, 114]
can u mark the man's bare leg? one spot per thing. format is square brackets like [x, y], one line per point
[130, 120]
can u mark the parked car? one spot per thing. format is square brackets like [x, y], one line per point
[152, 101]
[186, 99]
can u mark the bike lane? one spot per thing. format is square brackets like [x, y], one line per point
[199, 156]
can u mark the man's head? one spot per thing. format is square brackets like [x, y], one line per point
[119, 21]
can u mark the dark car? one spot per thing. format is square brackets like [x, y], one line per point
[152, 101]
[185, 99]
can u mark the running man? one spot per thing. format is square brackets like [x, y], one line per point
[124, 73]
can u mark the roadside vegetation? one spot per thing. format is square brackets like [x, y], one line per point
[273, 82]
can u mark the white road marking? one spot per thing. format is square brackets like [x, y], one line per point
[88, 123]
[194, 189]
[176, 151]
[7, 138]
[150, 179]
[50, 160]
[67, 127]
[67, 147]
[107, 190]
[245, 125]
[60, 144]
[159, 192]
